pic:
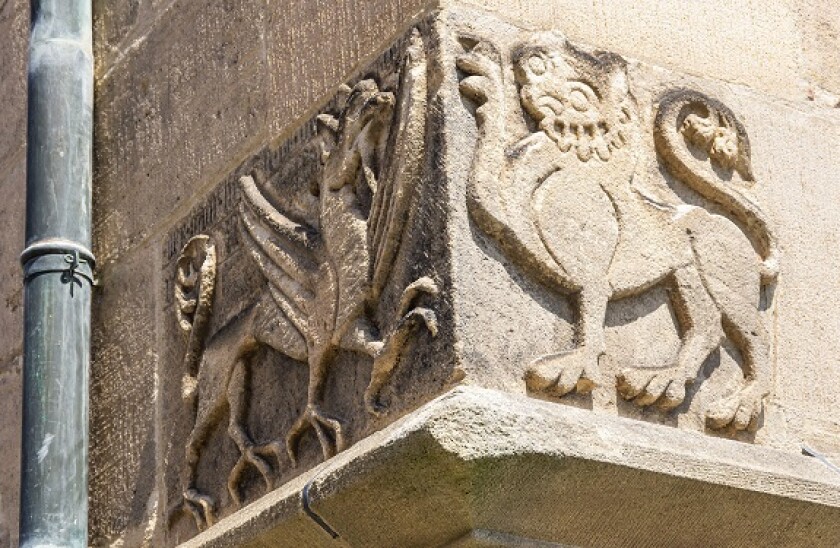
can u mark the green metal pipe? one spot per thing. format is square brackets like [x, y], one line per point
[57, 276]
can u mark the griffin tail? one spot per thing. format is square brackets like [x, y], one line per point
[194, 288]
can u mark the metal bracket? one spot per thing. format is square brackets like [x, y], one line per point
[820, 457]
[56, 256]
[320, 521]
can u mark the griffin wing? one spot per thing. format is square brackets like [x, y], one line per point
[285, 251]
[403, 168]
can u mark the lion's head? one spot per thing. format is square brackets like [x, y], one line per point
[578, 99]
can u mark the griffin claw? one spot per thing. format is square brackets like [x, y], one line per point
[254, 456]
[202, 508]
[411, 316]
[322, 424]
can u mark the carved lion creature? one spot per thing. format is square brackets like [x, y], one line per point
[563, 203]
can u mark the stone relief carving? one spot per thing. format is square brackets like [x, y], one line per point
[324, 278]
[563, 203]
[300, 257]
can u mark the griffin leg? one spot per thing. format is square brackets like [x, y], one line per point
[202, 507]
[328, 429]
[249, 453]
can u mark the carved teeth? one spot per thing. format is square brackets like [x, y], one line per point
[602, 149]
[584, 151]
[563, 135]
[624, 115]
[587, 139]
[622, 137]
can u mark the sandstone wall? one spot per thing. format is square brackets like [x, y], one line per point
[14, 29]
[186, 91]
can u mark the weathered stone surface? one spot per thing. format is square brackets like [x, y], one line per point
[221, 69]
[135, 40]
[482, 468]
[316, 251]
[490, 205]
[122, 399]
[13, 208]
[14, 25]
[580, 190]
[10, 405]
[12, 184]
[819, 25]
[178, 126]
[700, 38]
[14, 29]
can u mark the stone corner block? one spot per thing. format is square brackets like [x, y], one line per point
[496, 207]
[477, 467]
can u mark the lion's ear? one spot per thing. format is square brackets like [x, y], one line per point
[744, 162]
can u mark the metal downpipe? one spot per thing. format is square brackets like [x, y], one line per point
[57, 276]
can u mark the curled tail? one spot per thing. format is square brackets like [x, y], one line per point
[689, 118]
[195, 283]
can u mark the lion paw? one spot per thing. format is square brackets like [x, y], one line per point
[666, 388]
[739, 411]
[560, 374]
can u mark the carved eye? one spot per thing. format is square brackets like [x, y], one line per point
[537, 65]
[579, 100]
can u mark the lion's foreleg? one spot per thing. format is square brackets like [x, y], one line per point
[577, 369]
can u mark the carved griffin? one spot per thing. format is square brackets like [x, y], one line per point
[324, 279]
[563, 202]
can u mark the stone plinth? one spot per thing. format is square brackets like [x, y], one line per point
[477, 467]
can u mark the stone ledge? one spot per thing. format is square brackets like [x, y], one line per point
[477, 467]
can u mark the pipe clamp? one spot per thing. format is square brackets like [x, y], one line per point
[56, 256]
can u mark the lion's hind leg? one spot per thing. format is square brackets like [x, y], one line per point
[741, 410]
[700, 323]
[731, 273]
